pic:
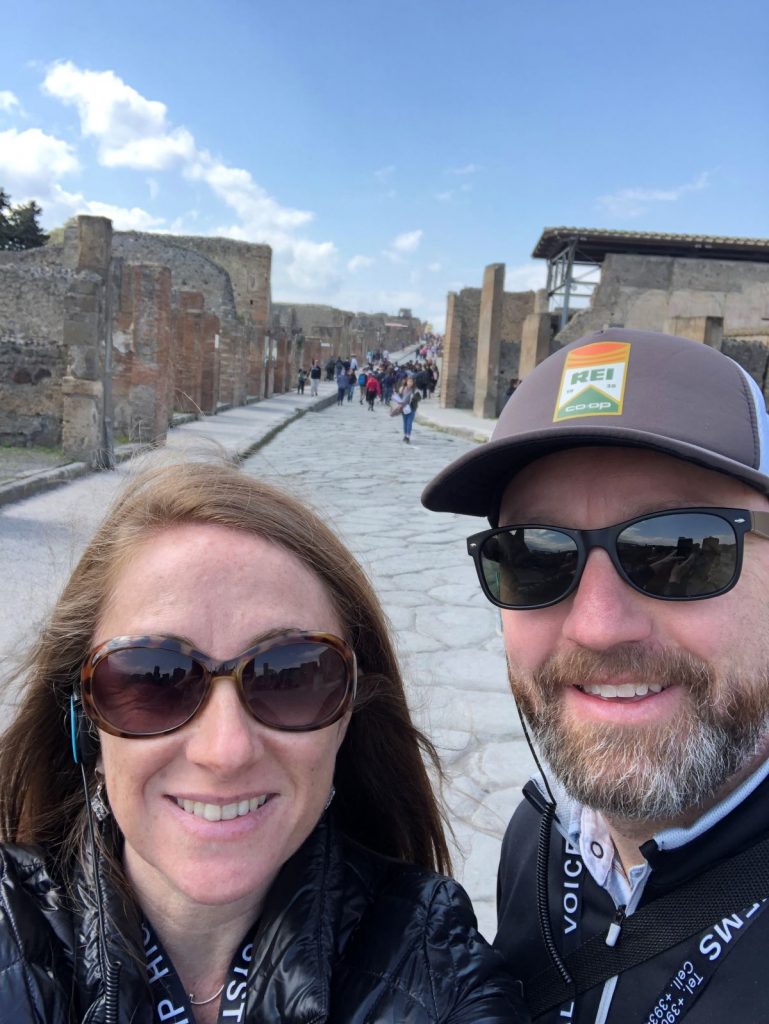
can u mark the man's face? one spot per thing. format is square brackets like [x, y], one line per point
[700, 669]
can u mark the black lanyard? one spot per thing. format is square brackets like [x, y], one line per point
[171, 1003]
[699, 965]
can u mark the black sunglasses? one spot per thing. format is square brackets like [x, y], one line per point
[295, 681]
[675, 555]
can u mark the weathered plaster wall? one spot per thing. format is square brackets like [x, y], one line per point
[249, 267]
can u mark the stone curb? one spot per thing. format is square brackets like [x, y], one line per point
[47, 479]
[467, 432]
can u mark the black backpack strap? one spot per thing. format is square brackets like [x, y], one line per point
[732, 885]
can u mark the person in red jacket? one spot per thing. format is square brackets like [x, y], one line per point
[373, 390]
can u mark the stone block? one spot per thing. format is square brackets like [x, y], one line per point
[82, 421]
[94, 244]
[707, 329]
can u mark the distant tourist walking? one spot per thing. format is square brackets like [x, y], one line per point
[341, 384]
[300, 381]
[315, 373]
[373, 391]
[408, 399]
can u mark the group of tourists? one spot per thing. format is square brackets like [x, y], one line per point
[400, 387]
[216, 806]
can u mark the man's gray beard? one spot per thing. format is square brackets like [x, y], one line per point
[646, 773]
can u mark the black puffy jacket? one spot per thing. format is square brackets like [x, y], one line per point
[345, 936]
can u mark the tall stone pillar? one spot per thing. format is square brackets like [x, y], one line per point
[535, 342]
[707, 329]
[489, 337]
[86, 388]
[450, 361]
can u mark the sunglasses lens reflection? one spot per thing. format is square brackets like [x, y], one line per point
[525, 566]
[679, 555]
[296, 685]
[143, 690]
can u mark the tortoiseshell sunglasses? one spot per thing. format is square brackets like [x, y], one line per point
[296, 681]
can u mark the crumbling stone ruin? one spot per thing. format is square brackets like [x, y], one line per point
[713, 290]
[107, 334]
[324, 331]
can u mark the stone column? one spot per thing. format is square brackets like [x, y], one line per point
[489, 336]
[707, 329]
[450, 360]
[86, 432]
[535, 342]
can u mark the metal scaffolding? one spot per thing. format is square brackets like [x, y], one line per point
[565, 284]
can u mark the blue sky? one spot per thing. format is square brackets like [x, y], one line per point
[389, 150]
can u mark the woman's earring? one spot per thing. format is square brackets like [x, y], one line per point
[99, 804]
[331, 796]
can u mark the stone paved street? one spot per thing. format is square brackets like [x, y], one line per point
[354, 468]
[360, 475]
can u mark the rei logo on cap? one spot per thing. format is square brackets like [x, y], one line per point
[593, 381]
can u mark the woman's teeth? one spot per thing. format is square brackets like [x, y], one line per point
[623, 690]
[221, 812]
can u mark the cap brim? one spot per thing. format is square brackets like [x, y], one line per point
[473, 484]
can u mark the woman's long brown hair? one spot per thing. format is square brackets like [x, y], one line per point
[384, 798]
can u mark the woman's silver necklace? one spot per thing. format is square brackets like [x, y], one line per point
[203, 1002]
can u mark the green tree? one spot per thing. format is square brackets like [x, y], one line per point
[19, 225]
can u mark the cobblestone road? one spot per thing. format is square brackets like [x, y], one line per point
[352, 465]
[358, 473]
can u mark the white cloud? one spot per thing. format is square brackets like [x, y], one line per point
[109, 110]
[134, 132]
[154, 153]
[525, 277]
[70, 204]
[466, 169]
[434, 267]
[632, 202]
[261, 216]
[31, 161]
[359, 262]
[8, 101]
[408, 241]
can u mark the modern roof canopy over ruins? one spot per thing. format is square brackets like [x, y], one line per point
[586, 248]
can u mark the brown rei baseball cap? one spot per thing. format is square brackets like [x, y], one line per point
[624, 388]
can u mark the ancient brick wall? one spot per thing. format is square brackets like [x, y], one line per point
[142, 352]
[33, 290]
[249, 267]
[190, 270]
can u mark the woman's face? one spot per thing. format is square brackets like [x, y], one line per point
[220, 589]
